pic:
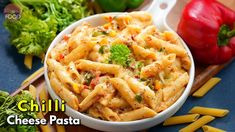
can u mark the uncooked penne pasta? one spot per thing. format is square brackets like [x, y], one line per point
[206, 87]
[43, 95]
[33, 91]
[136, 114]
[125, 92]
[60, 128]
[197, 124]
[209, 111]
[104, 68]
[32, 76]
[181, 119]
[207, 128]
[44, 128]
[91, 98]
[161, 44]
[28, 61]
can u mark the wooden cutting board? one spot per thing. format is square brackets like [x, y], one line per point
[203, 72]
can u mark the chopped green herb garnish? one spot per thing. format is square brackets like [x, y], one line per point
[161, 49]
[139, 65]
[120, 54]
[142, 79]
[98, 33]
[138, 98]
[88, 77]
[101, 49]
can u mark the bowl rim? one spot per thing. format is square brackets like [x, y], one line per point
[69, 29]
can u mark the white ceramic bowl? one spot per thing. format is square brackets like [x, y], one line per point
[102, 125]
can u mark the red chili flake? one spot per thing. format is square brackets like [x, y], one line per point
[85, 87]
[66, 37]
[60, 57]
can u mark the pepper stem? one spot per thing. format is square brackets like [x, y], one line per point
[225, 34]
[231, 33]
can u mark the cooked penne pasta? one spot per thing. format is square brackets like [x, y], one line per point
[108, 113]
[197, 124]
[64, 93]
[63, 75]
[181, 119]
[125, 92]
[140, 113]
[79, 52]
[104, 68]
[123, 70]
[206, 87]
[207, 128]
[139, 88]
[177, 85]
[161, 44]
[209, 111]
[117, 103]
[92, 97]
[140, 52]
[151, 70]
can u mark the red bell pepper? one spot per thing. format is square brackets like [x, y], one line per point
[208, 28]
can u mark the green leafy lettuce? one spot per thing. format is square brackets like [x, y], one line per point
[41, 20]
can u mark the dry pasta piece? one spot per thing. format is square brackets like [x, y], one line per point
[197, 124]
[161, 44]
[43, 95]
[33, 91]
[206, 87]
[32, 76]
[140, 113]
[209, 111]
[60, 128]
[207, 128]
[125, 92]
[28, 60]
[181, 119]
[103, 68]
[44, 128]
